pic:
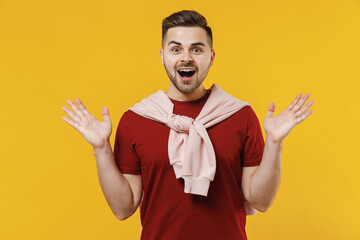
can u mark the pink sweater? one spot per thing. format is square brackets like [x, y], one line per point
[190, 149]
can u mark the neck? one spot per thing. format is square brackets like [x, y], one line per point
[175, 94]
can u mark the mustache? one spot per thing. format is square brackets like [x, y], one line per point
[188, 65]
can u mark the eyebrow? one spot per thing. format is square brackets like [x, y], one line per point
[193, 44]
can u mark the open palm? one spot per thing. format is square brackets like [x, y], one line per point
[279, 126]
[96, 132]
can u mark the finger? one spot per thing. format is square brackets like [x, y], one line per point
[304, 109]
[271, 110]
[105, 114]
[303, 117]
[300, 103]
[82, 107]
[74, 117]
[75, 108]
[71, 123]
[294, 102]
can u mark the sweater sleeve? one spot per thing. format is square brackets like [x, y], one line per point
[254, 142]
[124, 153]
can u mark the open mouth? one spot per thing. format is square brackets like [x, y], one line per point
[186, 73]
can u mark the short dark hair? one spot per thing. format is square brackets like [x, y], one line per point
[185, 18]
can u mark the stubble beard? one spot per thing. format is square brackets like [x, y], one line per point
[185, 87]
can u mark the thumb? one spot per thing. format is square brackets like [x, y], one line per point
[105, 114]
[271, 110]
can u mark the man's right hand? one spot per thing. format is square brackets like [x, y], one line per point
[97, 133]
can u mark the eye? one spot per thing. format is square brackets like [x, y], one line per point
[197, 50]
[175, 49]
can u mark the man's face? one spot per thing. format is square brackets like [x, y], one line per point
[187, 57]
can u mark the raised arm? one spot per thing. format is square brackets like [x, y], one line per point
[260, 184]
[122, 191]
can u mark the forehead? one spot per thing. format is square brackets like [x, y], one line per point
[186, 35]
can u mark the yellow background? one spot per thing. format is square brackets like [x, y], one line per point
[107, 54]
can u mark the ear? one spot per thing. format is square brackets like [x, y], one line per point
[162, 56]
[212, 57]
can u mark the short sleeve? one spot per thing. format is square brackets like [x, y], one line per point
[254, 142]
[124, 153]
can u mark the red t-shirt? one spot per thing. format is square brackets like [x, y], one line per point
[167, 213]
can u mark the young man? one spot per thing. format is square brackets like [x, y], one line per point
[195, 158]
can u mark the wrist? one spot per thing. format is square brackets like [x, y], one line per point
[103, 147]
[273, 140]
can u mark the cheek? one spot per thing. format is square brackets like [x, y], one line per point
[204, 62]
[170, 62]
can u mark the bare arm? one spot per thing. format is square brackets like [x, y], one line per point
[122, 191]
[260, 184]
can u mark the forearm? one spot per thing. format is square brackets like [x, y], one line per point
[114, 185]
[266, 180]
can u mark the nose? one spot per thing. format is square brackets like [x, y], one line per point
[187, 57]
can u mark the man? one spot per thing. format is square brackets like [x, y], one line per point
[141, 169]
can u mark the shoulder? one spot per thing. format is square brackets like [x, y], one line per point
[245, 113]
[137, 124]
[126, 120]
[246, 118]
[240, 120]
[129, 116]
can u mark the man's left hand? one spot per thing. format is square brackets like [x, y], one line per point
[278, 127]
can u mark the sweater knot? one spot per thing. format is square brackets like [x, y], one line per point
[179, 123]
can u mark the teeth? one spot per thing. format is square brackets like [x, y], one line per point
[186, 70]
